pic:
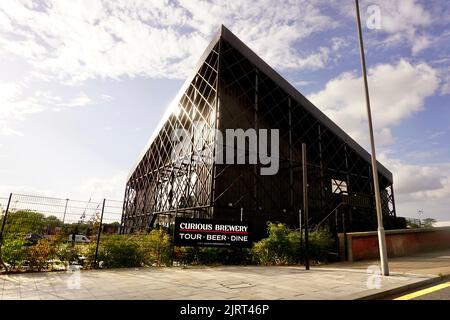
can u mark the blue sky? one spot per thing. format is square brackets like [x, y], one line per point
[83, 84]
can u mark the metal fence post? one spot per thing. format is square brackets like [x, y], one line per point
[173, 237]
[4, 219]
[98, 233]
[300, 227]
[65, 211]
[1, 232]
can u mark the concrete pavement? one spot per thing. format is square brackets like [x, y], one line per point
[334, 281]
[224, 282]
[434, 263]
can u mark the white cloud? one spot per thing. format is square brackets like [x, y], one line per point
[424, 187]
[445, 87]
[424, 154]
[81, 100]
[14, 107]
[420, 43]
[5, 22]
[403, 16]
[402, 22]
[338, 43]
[17, 104]
[414, 180]
[5, 190]
[396, 90]
[106, 97]
[75, 41]
[112, 187]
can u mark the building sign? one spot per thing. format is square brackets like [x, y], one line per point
[205, 232]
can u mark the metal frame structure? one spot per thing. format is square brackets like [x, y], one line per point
[231, 88]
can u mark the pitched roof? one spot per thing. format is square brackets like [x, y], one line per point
[235, 42]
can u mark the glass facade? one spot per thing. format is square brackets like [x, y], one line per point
[233, 88]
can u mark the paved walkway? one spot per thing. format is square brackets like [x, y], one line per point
[433, 263]
[335, 281]
[200, 283]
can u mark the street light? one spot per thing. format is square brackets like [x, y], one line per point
[381, 234]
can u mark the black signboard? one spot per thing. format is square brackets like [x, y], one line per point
[208, 233]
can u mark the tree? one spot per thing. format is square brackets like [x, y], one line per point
[428, 222]
[52, 222]
[23, 222]
[77, 228]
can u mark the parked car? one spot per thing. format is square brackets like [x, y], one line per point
[33, 238]
[79, 238]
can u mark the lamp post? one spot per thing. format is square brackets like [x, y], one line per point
[305, 205]
[381, 234]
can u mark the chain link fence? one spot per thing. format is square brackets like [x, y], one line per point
[44, 233]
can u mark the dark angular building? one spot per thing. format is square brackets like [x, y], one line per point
[232, 87]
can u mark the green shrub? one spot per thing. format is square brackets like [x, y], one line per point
[67, 253]
[186, 255]
[14, 252]
[40, 253]
[88, 251]
[321, 243]
[155, 247]
[282, 246]
[133, 250]
[117, 251]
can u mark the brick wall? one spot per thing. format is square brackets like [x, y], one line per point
[364, 245]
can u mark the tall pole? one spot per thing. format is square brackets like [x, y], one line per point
[98, 234]
[381, 234]
[301, 233]
[4, 219]
[305, 203]
[65, 211]
[300, 220]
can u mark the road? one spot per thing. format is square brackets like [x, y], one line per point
[440, 291]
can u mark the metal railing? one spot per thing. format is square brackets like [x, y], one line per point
[28, 219]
